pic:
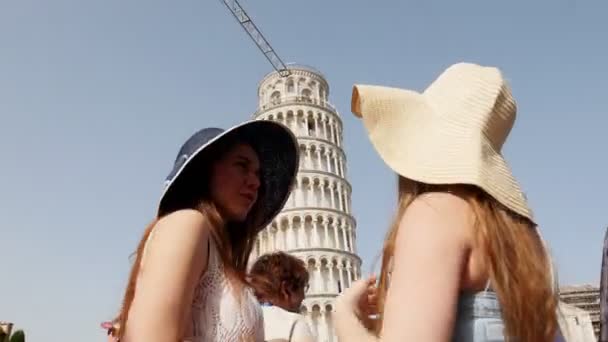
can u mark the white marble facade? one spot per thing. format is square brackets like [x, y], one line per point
[316, 224]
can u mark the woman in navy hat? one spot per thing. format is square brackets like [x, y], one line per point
[188, 280]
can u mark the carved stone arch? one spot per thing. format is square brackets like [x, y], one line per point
[306, 181]
[319, 181]
[271, 117]
[280, 116]
[288, 219]
[275, 97]
[323, 261]
[304, 146]
[323, 149]
[290, 85]
[313, 147]
[331, 220]
[284, 220]
[335, 261]
[289, 114]
[308, 217]
[296, 219]
[306, 93]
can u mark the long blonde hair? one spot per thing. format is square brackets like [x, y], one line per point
[518, 264]
[234, 241]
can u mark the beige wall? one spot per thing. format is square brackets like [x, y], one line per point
[575, 324]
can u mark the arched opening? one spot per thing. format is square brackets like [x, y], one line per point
[275, 97]
[306, 95]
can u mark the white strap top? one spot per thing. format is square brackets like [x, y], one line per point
[217, 312]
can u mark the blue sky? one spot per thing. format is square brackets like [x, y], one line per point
[97, 96]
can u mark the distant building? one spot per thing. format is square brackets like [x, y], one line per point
[575, 324]
[5, 330]
[585, 297]
[316, 224]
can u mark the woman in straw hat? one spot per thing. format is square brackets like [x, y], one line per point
[188, 280]
[463, 260]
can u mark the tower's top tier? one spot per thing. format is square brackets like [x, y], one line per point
[305, 84]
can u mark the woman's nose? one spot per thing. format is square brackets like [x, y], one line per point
[254, 181]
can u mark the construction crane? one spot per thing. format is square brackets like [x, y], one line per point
[255, 34]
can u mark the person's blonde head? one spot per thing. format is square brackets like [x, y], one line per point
[518, 264]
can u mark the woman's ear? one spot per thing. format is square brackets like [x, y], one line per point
[285, 293]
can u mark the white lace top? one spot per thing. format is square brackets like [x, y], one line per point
[217, 315]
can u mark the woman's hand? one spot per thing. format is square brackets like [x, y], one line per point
[368, 301]
[353, 309]
[361, 298]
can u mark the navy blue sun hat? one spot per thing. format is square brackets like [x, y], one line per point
[277, 151]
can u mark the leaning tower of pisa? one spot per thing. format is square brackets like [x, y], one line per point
[316, 224]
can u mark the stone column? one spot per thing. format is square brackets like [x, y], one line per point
[332, 280]
[336, 238]
[273, 241]
[302, 233]
[315, 231]
[332, 197]
[328, 160]
[343, 227]
[350, 238]
[335, 158]
[299, 200]
[341, 276]
[323, 325]
[307, 159]
[326, 231]
[311, 192]
[349, 273]
[318, 280]
[340, 201]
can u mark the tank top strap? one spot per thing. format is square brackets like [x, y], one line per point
[488, 286]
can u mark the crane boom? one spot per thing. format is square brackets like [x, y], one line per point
[255, 34]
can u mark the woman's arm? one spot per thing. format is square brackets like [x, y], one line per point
[175, 258]
[430, 252]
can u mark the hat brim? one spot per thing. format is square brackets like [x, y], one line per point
[277, 151]
[414, 140]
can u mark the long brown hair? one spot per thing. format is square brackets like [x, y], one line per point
[233, 240]
[518, 264]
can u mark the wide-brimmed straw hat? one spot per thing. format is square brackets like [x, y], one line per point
[277, 151]
[452, 133]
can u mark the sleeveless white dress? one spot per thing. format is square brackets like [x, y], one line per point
[217, 313]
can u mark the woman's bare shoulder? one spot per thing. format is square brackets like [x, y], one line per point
[440, 215]
[182, 232]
